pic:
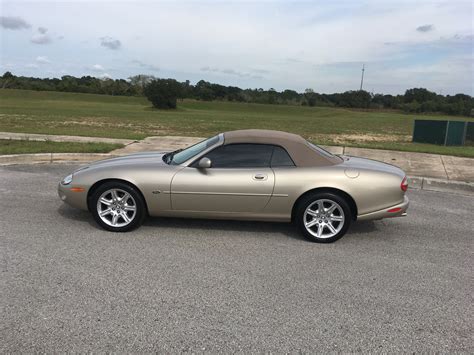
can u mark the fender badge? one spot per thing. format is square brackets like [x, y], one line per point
[156, 192]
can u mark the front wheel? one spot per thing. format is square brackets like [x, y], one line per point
[118, 207]
[323, 217]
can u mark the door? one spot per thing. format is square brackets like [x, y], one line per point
[239, 180]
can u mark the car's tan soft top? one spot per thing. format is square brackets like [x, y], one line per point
[298, 148]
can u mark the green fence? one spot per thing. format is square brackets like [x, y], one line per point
[443, 132]
[469, 134]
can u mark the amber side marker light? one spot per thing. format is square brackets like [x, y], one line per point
[77, 189]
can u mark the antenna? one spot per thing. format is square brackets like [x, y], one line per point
[362, 78]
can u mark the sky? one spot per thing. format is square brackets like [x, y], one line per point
[251, 44]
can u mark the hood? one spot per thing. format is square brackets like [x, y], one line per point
[155, 158]
[356, 163]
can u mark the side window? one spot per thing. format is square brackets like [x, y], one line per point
[280, 157]
[241, 156]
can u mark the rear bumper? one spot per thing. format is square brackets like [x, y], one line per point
[396, 211]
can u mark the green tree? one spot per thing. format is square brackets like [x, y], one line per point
[310, 97]
[204, 91]
[272, 95]
[6, 79]
[163, 93]
[140, 81]
[290, 96]
[419, 95]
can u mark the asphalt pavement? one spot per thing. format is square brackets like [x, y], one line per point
[399, 285]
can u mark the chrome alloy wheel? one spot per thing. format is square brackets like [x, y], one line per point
[323, 218]
[116, 208]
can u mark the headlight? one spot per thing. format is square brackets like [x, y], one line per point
[67, 180]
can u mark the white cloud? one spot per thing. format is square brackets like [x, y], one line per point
[233, 72]
[42, 60]
[149, 67]
[41, 37]
[97, 67]
[8, 66]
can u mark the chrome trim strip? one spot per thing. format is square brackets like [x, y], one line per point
[224, 193]
[218, 193]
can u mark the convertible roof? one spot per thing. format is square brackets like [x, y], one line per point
[298, 148]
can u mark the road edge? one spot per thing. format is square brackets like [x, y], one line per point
[440, 185]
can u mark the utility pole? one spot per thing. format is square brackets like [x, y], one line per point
[362, 78]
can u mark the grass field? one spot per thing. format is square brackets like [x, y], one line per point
[8, 146]
[133, 118]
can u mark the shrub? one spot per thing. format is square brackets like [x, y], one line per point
[163, 93]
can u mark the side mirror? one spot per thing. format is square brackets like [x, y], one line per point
[204, 163]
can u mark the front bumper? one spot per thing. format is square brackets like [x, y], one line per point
[398, 210]
[73, 195]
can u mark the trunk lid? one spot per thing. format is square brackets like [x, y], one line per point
[357, 163]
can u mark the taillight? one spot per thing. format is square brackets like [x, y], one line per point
[404, 184]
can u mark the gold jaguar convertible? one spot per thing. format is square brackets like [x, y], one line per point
[247, 174]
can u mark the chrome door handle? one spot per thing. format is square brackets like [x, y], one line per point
[260, 177]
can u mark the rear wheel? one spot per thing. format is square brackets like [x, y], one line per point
[118, 207]
[323, 217]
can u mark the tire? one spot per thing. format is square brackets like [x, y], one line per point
[323, 227]
[117, 207]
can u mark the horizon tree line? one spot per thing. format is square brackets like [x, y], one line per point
[164, 93]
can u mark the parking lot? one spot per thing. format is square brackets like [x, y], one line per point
[400, 285]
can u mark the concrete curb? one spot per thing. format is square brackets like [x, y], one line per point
[440, 185]
[62, 138]
[48, 158]
[414, 182]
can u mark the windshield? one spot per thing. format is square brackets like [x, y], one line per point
[186, 154]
